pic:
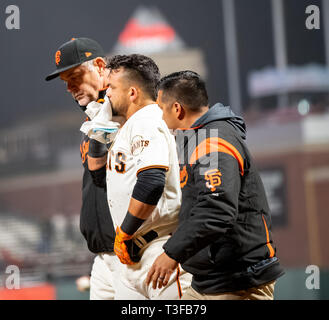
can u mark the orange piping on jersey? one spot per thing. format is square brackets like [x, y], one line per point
[270, 248]
[178, 283]
[152, 167]
[216, 145]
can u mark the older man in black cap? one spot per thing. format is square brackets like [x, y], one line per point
[81, 65]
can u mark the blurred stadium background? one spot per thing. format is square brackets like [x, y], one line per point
[256, 55]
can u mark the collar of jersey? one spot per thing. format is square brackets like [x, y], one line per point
[146, 111]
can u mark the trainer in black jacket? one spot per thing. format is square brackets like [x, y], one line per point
[224, 233]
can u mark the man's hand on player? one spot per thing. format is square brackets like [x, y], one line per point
[161, 271]
[120, 247]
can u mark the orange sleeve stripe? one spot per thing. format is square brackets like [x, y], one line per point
[270, 248]
[216, 145]
[152, 167]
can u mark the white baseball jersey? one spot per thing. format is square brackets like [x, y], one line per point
[142, 143]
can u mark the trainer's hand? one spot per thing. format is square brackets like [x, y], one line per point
[161, 270]
[120, 247]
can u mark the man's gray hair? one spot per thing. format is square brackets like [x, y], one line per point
[89, 64]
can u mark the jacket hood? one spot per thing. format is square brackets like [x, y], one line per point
[221, 112]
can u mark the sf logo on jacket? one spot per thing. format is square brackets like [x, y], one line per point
[213, 179]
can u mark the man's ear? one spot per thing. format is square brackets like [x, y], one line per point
[179, 111]
[133, 94]
[100, 65]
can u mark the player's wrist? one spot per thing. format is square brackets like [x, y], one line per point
[121, 235]
[131, 224]
[170, 255]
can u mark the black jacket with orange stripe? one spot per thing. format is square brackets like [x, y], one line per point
[224, 234]
[95, 219]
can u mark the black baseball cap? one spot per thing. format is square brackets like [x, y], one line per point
[73, 53]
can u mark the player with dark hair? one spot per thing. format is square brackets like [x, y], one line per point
[140, 69]
[142, 180]
[224, 234]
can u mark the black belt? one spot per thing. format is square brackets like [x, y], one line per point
[134, 246]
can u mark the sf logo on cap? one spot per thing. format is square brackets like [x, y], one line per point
[58, 57]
